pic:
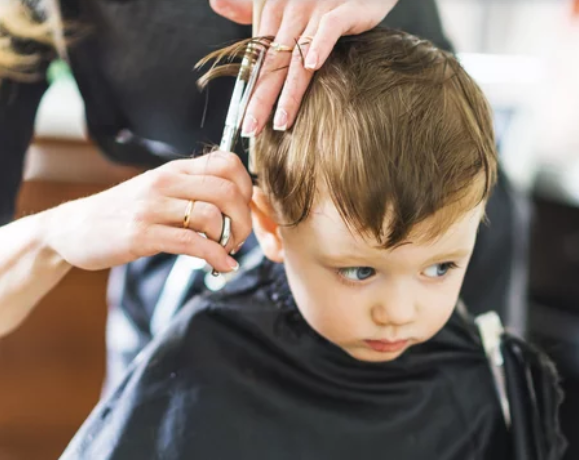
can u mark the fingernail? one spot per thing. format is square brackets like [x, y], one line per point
[249, 126]
[311, 60]
[236, 250]
[232, 264]
[280, 120]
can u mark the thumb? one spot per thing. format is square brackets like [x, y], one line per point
[239, 11]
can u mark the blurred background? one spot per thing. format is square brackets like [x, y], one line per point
[524, 53]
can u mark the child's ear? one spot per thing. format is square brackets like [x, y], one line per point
[265, 226]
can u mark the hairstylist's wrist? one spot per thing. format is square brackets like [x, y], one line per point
[29, 268]
[50, 229]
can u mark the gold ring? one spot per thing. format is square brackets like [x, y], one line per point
[278, 47]
[188, 212]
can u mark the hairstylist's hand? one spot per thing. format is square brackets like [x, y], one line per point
[290, 20]
[145, 215]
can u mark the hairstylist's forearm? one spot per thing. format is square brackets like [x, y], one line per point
[137, 218]
[29, 269]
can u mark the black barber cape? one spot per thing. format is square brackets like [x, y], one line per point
[240, 375]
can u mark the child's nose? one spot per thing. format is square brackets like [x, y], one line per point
[394, 311]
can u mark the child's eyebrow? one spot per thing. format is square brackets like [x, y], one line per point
[449, 256]
[350, 256]
[344, 258]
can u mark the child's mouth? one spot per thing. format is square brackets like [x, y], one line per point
[384, 346]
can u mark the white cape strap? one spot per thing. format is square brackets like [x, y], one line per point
[179, 280]
[491, 331]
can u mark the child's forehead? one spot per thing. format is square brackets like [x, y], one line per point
[326, 227]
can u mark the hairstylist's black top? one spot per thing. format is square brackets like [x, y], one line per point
[134, 68]
[241, 375]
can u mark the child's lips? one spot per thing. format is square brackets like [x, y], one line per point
[385, 346]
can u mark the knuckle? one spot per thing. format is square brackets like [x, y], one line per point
[297, 14]
[229, 161]
[138, 238]
[270, 61]
[258, 98]
[247, 224]
[242, 227]
[141, 213]
[199, 248]
[329, 19]
[247, 188]
[293, 98]
[298, 55]
[213, 214]
[185, 240]
[161, 178]
[208, 213]
[228, 191]
[292, 91]
[244, 231]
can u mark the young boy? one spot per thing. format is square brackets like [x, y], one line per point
[348, 342]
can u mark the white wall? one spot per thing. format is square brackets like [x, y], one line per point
[503, 26]
[536, 72]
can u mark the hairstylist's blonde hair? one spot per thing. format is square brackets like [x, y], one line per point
[390, 126]
[20, 27]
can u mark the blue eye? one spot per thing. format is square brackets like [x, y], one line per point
[439, 270]
[357, 273]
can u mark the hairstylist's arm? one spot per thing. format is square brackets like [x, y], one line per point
[316, 25]
[141, 217]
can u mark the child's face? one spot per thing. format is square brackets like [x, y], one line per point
[373, 303]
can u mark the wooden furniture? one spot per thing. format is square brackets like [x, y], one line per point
[52, 367]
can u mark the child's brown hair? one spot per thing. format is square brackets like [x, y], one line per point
[391, 126]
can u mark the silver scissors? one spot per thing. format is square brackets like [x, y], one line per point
[244, 84]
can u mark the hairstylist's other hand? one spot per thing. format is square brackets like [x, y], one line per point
[145, 215]
[290, 20]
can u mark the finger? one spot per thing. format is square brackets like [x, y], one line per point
[271, 17]
[239, 11]
[349, 18]
[273, 74]
[202, 217]
[221, 193]
[331, 27]
[207, 218]
[297, 80]
[171, 240]
[220, 164]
